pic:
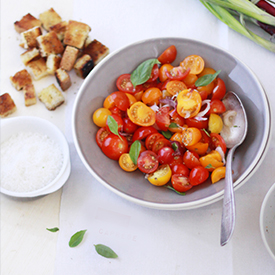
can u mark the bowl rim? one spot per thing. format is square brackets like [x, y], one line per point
[66, 156]
[198, 203]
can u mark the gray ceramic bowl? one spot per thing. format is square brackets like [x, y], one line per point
[132, 186]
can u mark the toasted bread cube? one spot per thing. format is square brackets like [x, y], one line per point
[60, 29]
[53, 63]
[96, 50]
[87, 41]
[76, 34]
[49, 18]
[27, 22]
[84, 65]
[29, 55]
[63, 79]
[29, 37]
[49, 43]
[69, 57]
[7, 105]
[29, 95]
[51, 97]
[38, 68]
[21, 79]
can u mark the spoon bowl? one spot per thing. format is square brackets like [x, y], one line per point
[234, 132]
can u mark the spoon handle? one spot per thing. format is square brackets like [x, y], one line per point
[228, 212]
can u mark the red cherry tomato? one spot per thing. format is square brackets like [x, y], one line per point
[219, 90]
[154, 74]
[216, 107]
[116, 111]
[101, 134]
[205, 136]
[119, 122]
[165, 155]
[150, 140]
[129, 127]
[203, 94]
[114, 146]
[177, 73]
[177, 159]
[217, 140]
[180, 169]
[168, 56]
[180, 183]
[191, 159]
[198, 175]
[159, 143]
[162, 118]
[147, 162]
[201, 124]
[121, 100]
[125, 85]
[143, 132]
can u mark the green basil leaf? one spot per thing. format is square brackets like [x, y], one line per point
[54, 229]
[105, 251]
[175, 146]
[171, 188]
[173, 125]
[77, 238]
[143, 72]
[206, 79]
[113, 126]
[167, 134]
[209, 166]
[134, 151]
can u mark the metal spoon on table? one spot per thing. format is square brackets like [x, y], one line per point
[233, 133]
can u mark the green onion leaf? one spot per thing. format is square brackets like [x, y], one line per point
[77, 238]
[143, 72]
[171, 188]
[105, 251]
[206, 132]
[206, 79]
[167, 134]
[134, 151]
[54, 229]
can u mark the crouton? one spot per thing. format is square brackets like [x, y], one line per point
[60, 29]
[96, 50]
[29, 95]
[29, 55]
[53, 63]
[84, 65]
[49, 18]
[7, 105]
[21, 79]
[49, 43]
[29, 37]
[63, 79]
[76, 34]
[51, 97]
[27, 22]
[69, 57]
[38, 68]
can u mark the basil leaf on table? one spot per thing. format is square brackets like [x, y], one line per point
[206, 79]
[77, 238]
[54, 229]
[134, 151]
[143, 72]
[105, 251]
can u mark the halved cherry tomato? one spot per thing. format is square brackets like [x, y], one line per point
[194, 122]
[173, 87]
[101, 134]
[126, 163]
[216, 107]
[189, 103]
[161, 176]
[138, 95]
[150, 139]
[206, 70]
[205, 136]
[163, 118]
[200, 148]
[165, 155]
[206, 90]
[147, 162]
[168, 56]
[177, 73]
[114, 146]
[198, 175]
[109, 102]
[180, 169]
[151, 96]
[191, 159]
[114, 110]
[154, 74]
[100, 116]
[215, 124]
[128, 126]
[193, 62]
[177, 137]
[191, 136]
[178, 159]
[141, 114]
[211, 161]
[162, 72]
[218, 174]
[178, 120]
[125, 85]
[190, 80]
[217, 140]
[119, 122]
[121, 100]
[203, 93]
[131, 98]
[180, 183]
[142, 132]
[159, 143]
[219, 90]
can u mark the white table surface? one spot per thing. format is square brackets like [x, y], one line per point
[147, 241]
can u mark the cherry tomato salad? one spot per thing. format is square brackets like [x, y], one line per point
[166, 121]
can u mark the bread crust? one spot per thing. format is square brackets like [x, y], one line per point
[38, 68]
[7, 105]
[29, 37]
[21, 79]
[63, 79]
[84, 65]
[29, 95]
[49, 18]
[27, 22]
[68, 58]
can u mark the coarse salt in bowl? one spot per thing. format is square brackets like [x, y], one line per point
[35, 157]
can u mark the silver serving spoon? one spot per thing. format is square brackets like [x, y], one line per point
[233, 132]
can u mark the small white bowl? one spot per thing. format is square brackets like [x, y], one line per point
[267, 221]
[12, 126]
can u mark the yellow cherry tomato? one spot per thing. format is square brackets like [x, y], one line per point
[100, 116]
[211, 161]
[215, 123]
[161, 176]
[194, 62]
[151, 96]
[218, 174]
[175, 86]
[141, 114]
[126, 163]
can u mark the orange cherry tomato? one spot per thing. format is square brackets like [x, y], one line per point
[100, 116]
[193, 62]
[211, 161]
[191, 136]
[131, 98]
[218, 174]
[141, 114]
[126, 163]
[200, 148]
[175, 86]
[162, 71]
[109, 102]
[206, 70]
[177, 137]
[190, 80]
[138, 95]
[189, 103]
[151, 96]
[168, 56]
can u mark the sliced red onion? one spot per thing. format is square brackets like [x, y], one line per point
[221, 152]
[169, 101]
[204, 112]
[155, 107]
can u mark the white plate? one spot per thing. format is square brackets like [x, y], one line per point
[267, 221]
